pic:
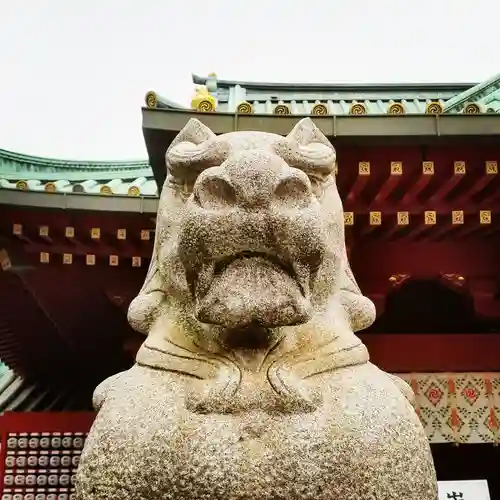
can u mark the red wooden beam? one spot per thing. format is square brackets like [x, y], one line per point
[410, 198]
[476, 188]
[428, 221]
[455, 222]
[402, 221]
[387, 188]
[404, 353]
[492, 199]
[479, 222]
[375, 221]
[19, 232]
[360, 182]
[390, 183]
[493, 229]
[446, 187]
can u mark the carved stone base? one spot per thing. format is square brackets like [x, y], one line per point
[364, 442]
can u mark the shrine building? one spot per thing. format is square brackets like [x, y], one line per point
[418, 173]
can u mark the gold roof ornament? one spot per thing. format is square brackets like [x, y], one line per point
[319, 109]
[396, 108]
[434, 108]
[282, 109]
[358, 108]
[472, 108]
[244, 108]
[151, 99]
[133, 191]
[203, 101]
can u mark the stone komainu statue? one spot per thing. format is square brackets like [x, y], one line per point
[251, 383]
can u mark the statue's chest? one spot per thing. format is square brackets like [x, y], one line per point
[266, 455]
[150, 442]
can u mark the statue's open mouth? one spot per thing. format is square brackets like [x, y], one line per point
[252, 288]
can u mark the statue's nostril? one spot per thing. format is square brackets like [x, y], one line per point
[293, 191]
[214, 193]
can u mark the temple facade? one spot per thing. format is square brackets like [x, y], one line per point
[418, 174]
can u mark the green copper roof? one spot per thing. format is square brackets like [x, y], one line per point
[24, 172]
[485, 95]
[135, 178]
[340, 99]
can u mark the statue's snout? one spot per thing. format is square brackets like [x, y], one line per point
[253, 180]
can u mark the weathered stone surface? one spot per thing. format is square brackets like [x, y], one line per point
[251, 383]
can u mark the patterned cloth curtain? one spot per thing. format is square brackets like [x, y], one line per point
[458, 407]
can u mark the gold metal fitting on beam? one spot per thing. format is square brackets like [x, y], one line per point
[90, 259]
[349, 218]
[403, 218]
[457, 217]
[44, 257]
[396, 168]
[113, 260]
[428, 167]
[364, 168]
[430, 217]
[485, 217]
[459, 168]
[67, 258]
[491, 168]
[22, 185]
[375, 218]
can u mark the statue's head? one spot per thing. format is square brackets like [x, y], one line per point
[250, 235]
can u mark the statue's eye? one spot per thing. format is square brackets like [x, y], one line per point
[294, 191]
[214, 193]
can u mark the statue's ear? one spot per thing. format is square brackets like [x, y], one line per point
[193, 150]
[194, 132]
[306, 132]
[307, 148]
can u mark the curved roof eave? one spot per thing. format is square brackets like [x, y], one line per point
[70, 164]
[458, 87]
[17, 166]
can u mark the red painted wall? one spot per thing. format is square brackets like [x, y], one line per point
[405, 353]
